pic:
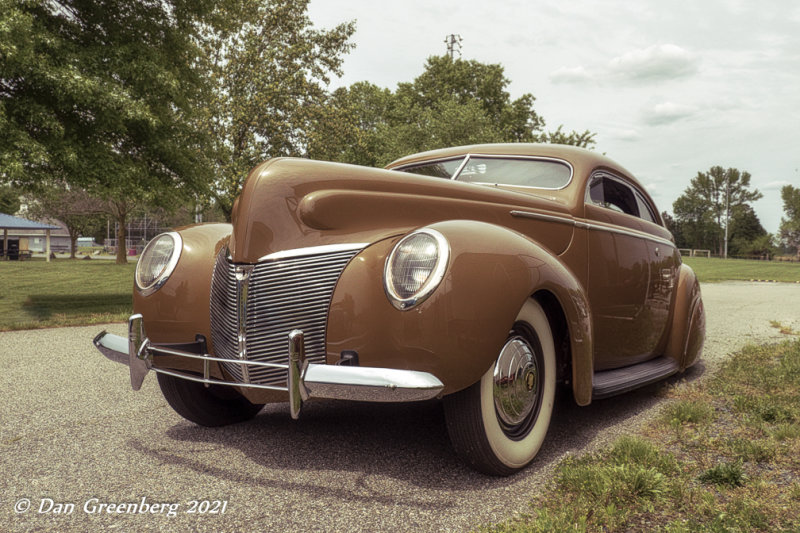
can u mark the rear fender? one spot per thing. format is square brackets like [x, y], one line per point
[686, 338]
[457, 333]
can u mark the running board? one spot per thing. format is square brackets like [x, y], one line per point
[612, 382]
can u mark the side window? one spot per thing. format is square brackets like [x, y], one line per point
[619, 197]
[645, 211]
[595, 193]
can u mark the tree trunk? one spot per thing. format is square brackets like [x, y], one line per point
[122, 249]
[73, 244]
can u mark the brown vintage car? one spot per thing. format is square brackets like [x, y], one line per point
[482, 275]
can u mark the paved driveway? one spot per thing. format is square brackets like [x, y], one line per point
[74, 437]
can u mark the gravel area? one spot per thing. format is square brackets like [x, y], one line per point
[74, 436]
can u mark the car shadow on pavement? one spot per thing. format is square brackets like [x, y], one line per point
[404, 442]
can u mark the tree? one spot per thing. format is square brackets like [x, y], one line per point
[9, 200]
[746, 234]
[790, 226]
[763, 246]
[671, 225]
[267, 68]
[453, 102]
[700, 211]
[99, 95]
[75, 208]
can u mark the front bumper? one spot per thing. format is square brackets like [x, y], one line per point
[304, 382]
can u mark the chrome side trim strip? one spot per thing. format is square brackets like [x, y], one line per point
[630, 233]
[312, 250]
[542, 216]
[589, 226]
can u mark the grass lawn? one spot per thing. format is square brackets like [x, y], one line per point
[38, 294]
[723, 456]
[715, 269]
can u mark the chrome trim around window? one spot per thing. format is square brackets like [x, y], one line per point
[637, 191]
[313, 250]
[467, 157]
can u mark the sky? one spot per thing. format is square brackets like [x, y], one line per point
[670, 88]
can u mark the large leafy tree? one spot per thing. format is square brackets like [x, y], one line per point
[700, 212]
[268, 69]
[790, 225]
[453, 102]
[98, 94]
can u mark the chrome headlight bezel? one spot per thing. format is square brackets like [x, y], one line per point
[161, 277]
[433, 280]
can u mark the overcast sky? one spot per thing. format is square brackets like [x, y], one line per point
[670, 88]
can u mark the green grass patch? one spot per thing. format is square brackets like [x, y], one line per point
[730, 474]
[38, 294]
[710, 269]
[724, 455]
[688, 411]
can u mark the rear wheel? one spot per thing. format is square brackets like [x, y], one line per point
[207, 406]
[498, 424]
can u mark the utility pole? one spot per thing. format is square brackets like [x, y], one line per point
[453, 42]
[727, 211]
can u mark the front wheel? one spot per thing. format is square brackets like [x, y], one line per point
[216, 405]
[498, 424]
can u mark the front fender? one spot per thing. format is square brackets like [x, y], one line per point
[178, 311]
[457, 333]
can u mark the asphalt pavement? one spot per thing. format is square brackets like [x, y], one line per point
[81, 451]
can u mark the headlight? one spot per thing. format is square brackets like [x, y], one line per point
[157, 262]
[415, 267]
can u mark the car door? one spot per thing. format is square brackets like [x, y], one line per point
[664, 263]
[623, 270]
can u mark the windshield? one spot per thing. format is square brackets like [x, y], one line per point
[522, 172]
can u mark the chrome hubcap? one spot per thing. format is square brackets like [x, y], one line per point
[516, 384]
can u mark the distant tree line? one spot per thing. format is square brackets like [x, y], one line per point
[721, 198]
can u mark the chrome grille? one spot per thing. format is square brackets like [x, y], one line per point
[283, 294]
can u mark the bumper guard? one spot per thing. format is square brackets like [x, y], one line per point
[305, 380]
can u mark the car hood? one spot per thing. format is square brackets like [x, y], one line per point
[296, 203]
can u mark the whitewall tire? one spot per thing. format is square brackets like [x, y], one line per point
[498, 424]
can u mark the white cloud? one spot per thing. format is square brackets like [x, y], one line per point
[655, 63]
[775, 185]
[659, 62]
[667, 113]
[570, 75]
